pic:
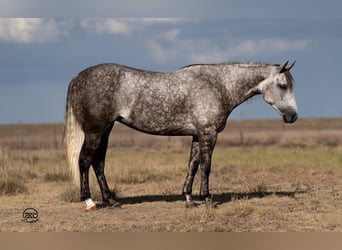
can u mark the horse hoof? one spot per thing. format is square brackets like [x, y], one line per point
[190, 204]
[90, 208]
[210, 204]
[113, 204]
[90, 205]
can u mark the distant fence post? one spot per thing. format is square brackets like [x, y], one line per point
[55, 137]
[241, 132]
[241, 137]
[21, 137]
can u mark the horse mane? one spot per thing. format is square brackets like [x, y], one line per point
[230, 63]
[198, 64]
[288, 76]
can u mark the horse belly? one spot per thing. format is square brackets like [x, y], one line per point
[159, 122]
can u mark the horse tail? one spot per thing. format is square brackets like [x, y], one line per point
[74, 138]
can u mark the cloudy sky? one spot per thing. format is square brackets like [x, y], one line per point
[39, 56]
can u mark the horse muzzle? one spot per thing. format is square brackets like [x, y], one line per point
[289, 114]
[290, 117]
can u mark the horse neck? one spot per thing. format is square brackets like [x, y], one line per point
[242, 79]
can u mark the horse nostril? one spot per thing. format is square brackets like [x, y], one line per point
[290, 118]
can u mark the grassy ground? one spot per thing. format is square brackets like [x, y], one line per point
[265, 177]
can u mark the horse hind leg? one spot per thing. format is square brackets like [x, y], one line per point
[91, 142]
[98, 164]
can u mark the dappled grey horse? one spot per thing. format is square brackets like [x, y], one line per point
[193, 101]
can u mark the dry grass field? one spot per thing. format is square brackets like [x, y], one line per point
[266, 176]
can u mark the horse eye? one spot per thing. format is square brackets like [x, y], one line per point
[282, 86]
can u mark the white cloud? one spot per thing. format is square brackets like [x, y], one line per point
[161, 20]
[172, 34]
[128, 26]
[158, 52]
[273, 45]
[177, 49]
[31, 30]
[106, 26]
[250, 47]
[207, 51]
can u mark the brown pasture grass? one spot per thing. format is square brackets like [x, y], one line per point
[266, 176]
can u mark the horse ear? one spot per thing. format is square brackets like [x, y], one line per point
[290, 67]
[283, 67]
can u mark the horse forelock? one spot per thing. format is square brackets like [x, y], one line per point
[289, 79]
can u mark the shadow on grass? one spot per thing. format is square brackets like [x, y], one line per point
[218, 199]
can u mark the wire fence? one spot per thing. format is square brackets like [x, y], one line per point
[305, 132]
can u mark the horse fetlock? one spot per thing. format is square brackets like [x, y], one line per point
[204, 191]
[85, 196]
[188, 197]
[107, 196]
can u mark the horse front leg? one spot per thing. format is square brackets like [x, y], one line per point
[207, 143]
[194, 162]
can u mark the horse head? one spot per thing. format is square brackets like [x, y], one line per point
[277, 90]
